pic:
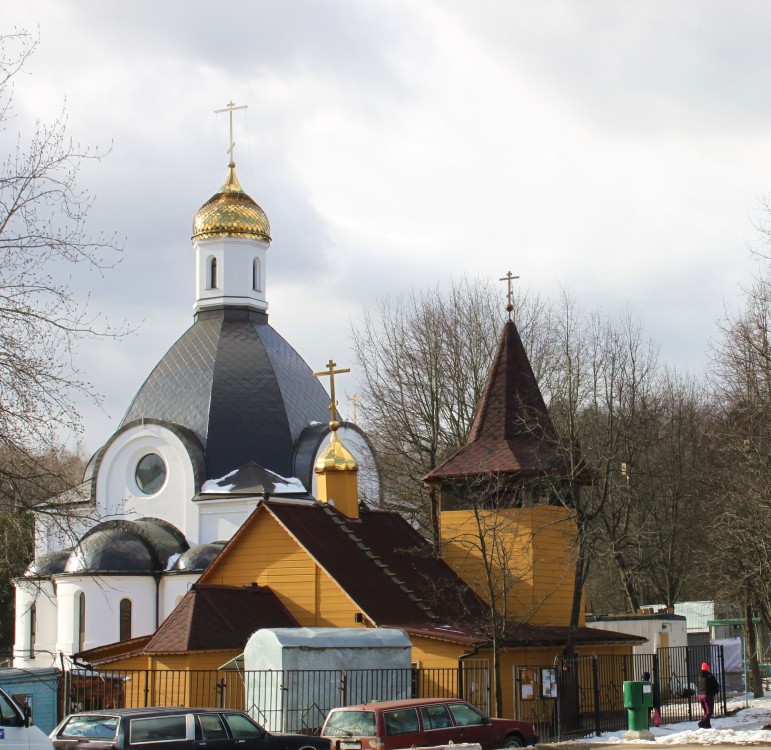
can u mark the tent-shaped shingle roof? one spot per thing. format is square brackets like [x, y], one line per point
[512, 432]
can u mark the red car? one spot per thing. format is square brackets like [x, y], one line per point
[414, 723]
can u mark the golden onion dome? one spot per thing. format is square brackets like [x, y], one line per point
[231, 213]
[336, 457]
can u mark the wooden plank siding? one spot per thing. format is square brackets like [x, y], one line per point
[268, 555]
[431, 653]
[540, 558]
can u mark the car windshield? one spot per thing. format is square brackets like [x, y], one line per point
[101, 727]
[350, 724]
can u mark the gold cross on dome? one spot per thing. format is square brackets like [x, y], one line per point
[230, 108]
[509, 277]
[331, 372]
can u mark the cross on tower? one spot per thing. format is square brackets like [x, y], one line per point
[509, 277]
[331, 372]
[230, 108]
[355, 400]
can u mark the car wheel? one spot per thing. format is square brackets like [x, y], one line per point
[513, 741]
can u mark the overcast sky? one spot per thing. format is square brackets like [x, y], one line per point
[618, 149]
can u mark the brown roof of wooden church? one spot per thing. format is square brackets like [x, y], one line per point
[383, 564]
[512, 432]
[214, 617]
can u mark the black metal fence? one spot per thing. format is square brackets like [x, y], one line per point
[565, 699]
[281, 700]
[588, 694]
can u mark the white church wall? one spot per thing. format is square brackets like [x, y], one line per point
[53, 533]
[220, 519]
[171, 590]
[102, 609]
[42, 653]
[117, 492]
[67, 615]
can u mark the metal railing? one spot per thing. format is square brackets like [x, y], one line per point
[587, 694]
[280, 700]
[590, 690]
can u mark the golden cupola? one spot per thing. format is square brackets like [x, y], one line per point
[336, 457]
[337, 476]
[231, 213]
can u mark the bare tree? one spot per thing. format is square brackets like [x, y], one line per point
[741, 469]
[27, 482]
[43, 238]
[658, 492]
[43, 214]
[621, 425]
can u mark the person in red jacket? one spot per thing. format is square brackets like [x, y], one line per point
[708, 687]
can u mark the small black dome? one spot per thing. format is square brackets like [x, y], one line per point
[198, 558]
[167, 540]
[48, 564]
[239, 387]
[126, 547]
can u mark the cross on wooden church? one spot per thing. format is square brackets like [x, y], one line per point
[331, 372]
[231, 107]
[509, 277]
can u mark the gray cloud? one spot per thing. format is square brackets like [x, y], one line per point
[614, 148]
[637, 65]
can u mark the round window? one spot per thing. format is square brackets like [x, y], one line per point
[151, 473]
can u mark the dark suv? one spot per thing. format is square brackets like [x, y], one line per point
[173, 729]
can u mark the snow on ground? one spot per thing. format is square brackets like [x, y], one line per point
[741, 728]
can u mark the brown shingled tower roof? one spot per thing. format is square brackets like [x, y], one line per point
[512, 431]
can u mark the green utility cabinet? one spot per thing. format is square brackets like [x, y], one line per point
[638, 700]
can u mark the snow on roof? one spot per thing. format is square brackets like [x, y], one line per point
[214, 485]
[256, 479]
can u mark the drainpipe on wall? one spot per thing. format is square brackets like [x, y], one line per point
[157, 600]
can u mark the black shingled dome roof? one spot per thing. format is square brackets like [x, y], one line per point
[239, 386]
[120, 546]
